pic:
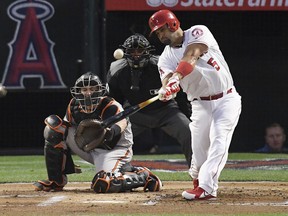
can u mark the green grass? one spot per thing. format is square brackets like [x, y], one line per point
[256, 156]
[31, 168]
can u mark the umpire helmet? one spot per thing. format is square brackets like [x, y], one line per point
[162, 17]
[137, 50]
[88, 91]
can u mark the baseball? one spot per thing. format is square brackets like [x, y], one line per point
[3, 91]
[118, 54]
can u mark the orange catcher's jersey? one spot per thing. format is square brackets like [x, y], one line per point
[106, 108]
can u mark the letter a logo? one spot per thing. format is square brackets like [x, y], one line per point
[31, 51]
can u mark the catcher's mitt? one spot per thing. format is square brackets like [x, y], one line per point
[89, 134]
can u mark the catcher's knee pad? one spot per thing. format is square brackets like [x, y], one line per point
[55, 130]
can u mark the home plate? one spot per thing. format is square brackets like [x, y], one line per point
[52, 200]
[106, 201]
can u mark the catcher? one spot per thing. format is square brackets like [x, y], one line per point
[81, 132]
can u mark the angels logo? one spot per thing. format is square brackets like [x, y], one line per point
[31, 51]
[197, 32]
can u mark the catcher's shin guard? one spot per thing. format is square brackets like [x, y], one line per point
[152, 182]
[133, 180]
[55, 159]
[106, 182]
[110, 183]
[70, 167]
[58, 158]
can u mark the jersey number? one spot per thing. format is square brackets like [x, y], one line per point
[213, 63]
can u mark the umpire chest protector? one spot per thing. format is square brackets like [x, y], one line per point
[120, 82]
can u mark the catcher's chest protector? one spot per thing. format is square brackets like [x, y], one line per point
[78, 115]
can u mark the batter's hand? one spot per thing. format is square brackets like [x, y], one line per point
[163, 96]
[171, 89]
[173, 85]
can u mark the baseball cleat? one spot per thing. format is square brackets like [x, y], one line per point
[197, 194]
[46, 185]
[195, 183]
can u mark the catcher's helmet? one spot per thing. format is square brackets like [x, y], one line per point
[162, 17]
[88, 91]
[137, 50]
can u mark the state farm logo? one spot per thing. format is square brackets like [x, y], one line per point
[157, 3]
[219, 3]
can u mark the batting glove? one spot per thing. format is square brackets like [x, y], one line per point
[163, 96]
[173, 85]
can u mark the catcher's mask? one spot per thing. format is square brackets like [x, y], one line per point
[137, 50]
[88, 91]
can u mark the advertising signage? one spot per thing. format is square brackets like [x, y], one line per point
[197, 5]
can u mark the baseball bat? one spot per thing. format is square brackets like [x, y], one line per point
[127, 112]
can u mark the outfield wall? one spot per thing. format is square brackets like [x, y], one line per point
[254, 44]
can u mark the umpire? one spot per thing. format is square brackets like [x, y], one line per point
[134, 79]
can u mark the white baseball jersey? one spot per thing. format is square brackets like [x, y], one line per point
[211, 74]
[213, 120]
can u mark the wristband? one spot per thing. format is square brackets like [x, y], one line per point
[184, 68]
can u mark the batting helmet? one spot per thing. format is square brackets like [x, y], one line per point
[162, 17]
[88, 102]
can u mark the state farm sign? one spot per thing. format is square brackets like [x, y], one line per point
[194, 5]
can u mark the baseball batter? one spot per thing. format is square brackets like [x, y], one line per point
[111, 158]
[192, 59]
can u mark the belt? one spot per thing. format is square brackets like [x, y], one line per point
[215, 97]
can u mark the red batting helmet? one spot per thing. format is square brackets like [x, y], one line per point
[162, 17]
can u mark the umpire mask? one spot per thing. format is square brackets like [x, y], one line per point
[137, 53]
[88, 91]
[137, 50]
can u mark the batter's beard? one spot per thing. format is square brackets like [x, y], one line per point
[166, 42]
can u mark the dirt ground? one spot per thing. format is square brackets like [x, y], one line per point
[78, 199]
